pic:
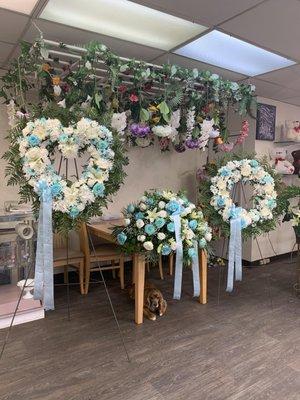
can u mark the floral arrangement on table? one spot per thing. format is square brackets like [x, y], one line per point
[150, 228]
[268, 199]
[178, 107]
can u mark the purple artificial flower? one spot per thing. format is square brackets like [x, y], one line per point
[180, 147]
[140, 130]
[192, 143]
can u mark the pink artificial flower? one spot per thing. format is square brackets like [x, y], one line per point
[244, 133]
[122, 88]
[226, 147]
[133, 98]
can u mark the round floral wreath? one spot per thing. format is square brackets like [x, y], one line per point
[264, 194]
[149, 225]
[39, 140]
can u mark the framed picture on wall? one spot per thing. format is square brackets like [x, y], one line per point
[265, 122]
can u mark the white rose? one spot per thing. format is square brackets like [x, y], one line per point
[161, 204]
[189, 234]
[88, 65]
[161, 236]
[127, 221]
[148, 246]
[221, 184]
[173, 245]
[269, 188]
[140, 223]
[162, 214]
[265, 212]
[246, 170]
[141, 238]
[143, 206]
[208, 236]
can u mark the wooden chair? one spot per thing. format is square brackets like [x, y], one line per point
[160, 266]
[63, 256]
[100, 252]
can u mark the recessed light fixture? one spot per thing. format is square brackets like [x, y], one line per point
[22, 6]
[123, 19]
[225, 51]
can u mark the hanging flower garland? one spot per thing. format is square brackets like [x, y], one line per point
[150, 225]
[217, 184]
[142, 103]
[42, 136]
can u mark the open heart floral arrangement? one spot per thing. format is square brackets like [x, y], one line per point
[41, 136]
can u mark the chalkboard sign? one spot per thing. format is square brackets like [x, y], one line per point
[265, 123]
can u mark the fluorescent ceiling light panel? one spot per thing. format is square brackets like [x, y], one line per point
[124, 20]
[218, 48]
[22, 6]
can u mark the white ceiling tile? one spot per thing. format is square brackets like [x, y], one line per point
[11, 25]
[205, 12]
[288, 77]
[73, 36]
[22, 6]
[189, 63]
[271, 90]
[5, 50]
[273, 25]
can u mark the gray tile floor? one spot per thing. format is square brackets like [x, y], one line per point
[240, 346]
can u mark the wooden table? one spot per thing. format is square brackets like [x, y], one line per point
[103, 230]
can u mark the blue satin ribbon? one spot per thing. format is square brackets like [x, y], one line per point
[179, 263]
[235, 251]
[43, 279]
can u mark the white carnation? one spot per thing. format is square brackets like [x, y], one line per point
[148, 246]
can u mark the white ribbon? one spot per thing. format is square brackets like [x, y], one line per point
[179, 264]
[43, 279]
[235, 253]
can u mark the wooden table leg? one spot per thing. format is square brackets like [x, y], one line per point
[139, 270]
[203, 276]
[171, 263]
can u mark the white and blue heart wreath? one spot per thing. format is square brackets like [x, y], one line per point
[43, 136]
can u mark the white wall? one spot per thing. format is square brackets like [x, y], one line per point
[283, 237]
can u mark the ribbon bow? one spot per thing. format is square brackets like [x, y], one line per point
[43, 279]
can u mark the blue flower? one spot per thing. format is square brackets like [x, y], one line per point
[220, 201]
[267, 179]
[139, 215]
[159, 222]
[98, 189]
[193, 224]
[56, 189]
[121, 238]
[224, 171]
[171, 227]
[150, 229]
[272, 203]
[73, 212]
[33, 140]
[173, 207]
[192, 252]
[166, 250]
[130, 208]
[254, 163]
[63, 138]
[202, 243]
[102, 144]
[149, 201]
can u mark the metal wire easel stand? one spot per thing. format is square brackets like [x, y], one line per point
[68, 284]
